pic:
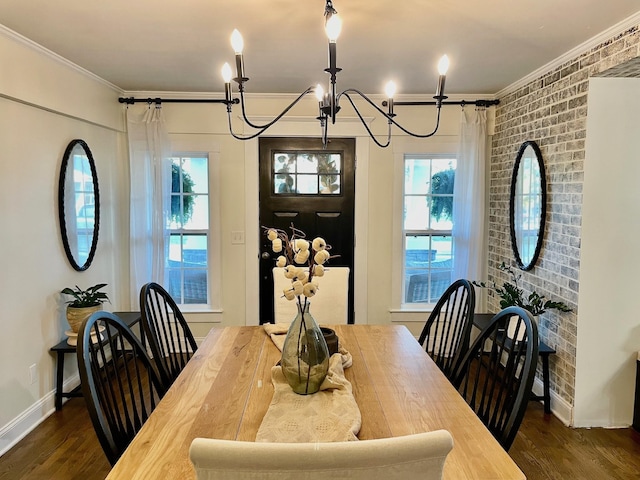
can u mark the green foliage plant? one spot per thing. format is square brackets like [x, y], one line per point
[442, 184]
[327, 167]
[511, 294]
[86, 298]
[181, 215]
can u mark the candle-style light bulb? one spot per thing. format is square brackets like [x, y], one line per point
[443, 65]
[321, 97]
[333, 27]
[238, 45]
[390, 89]
[237, 42]
[226, 76]
[226, 73]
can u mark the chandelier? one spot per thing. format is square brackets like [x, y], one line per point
[329, 101]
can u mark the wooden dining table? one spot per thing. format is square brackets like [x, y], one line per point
[225, 391]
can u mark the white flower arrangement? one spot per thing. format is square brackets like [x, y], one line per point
[302, 261]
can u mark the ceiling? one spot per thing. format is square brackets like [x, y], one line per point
[180, 46]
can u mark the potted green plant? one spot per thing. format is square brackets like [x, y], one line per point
[511, 294]
[84, 303]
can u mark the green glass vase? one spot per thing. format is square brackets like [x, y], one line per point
[305, 357]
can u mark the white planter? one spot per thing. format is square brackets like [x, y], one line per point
[512, 327]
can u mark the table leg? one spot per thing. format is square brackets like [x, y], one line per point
[545, 383]
[59, 378]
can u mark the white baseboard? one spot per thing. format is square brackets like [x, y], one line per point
[559, 407]
[19, 427]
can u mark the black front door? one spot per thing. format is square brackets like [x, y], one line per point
[313, 189]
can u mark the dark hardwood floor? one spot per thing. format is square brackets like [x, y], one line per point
[65, 447]
[545, 449]
[62, 447]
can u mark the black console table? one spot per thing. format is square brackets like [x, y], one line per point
[62, 348]
[481, 320]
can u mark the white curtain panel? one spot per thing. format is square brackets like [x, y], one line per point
[469, 197]
[150, 197]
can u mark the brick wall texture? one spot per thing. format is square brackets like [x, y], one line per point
[552, 111]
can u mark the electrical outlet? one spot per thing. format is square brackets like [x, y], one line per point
[33, 373]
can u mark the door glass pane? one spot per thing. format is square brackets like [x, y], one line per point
[329, 163]
[307, 184]
[307, 173]
[284, 183]
[284, 162]
[329, 184]
[307, 163]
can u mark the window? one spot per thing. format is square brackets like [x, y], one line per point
[427, 224]
[306, 173]
[187, 264]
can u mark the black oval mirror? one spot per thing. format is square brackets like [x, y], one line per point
[528, 205]
[79, 204]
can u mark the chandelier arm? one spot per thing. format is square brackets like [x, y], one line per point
[282, 114]
[239, 137]
[364, 123]
[418, 135]
[388, 117]
[362, 95]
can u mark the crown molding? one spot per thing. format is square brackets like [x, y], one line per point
[36, 47]
[599, 39]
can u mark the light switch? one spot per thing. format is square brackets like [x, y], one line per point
[237, 238]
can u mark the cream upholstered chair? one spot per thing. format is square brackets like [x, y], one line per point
[421, 455]
[329, 306]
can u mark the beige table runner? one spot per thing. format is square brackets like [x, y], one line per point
[330, 415]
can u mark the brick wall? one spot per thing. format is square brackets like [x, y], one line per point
[552, 111]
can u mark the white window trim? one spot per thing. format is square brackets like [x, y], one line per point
[190, 145]
[445, 145]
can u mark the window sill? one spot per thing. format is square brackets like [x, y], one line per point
[414, 308]
[201, 314]
[410, 316]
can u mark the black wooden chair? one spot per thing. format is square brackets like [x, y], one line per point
[496, 375]
[165, 328]
[445, 335]
[120, 383]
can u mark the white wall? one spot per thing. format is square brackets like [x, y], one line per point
[609, 333]
[44, 104]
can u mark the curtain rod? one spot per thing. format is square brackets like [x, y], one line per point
[158, 100]
[478, 103]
